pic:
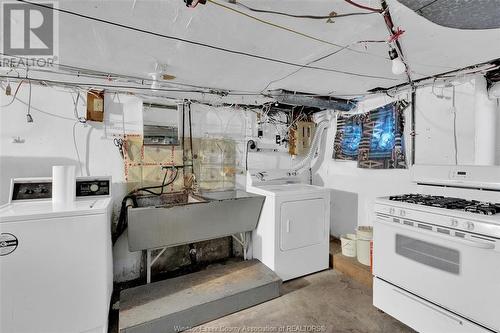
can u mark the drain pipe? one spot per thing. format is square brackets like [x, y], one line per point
[192, 254]
[485, 111]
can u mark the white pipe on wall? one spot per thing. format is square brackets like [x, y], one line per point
[485, 111]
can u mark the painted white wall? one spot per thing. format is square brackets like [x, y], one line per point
[434, 124]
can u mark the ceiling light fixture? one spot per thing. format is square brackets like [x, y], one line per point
[398, 66]
[160, 74]
[155, 85]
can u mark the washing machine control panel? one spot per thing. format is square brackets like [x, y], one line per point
[41, 188]
[32, 190]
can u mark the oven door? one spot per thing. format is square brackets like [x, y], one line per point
[460, 275]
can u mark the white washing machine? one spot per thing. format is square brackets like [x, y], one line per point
[55, 265]
[292, 236]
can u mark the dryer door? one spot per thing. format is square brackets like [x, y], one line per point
[302, 223]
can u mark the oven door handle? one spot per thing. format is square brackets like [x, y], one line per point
[481, 245]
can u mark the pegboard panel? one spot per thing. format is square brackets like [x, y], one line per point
[214, 163]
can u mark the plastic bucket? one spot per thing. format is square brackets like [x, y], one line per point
[364, 235]
[348, 244]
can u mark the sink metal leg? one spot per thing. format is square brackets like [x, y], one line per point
[243, 238]
[150, 262]
[148, 266]
[249, 251]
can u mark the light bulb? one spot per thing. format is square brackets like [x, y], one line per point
[398, 67]
[8, 89]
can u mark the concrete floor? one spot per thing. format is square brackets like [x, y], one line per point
[326, 302]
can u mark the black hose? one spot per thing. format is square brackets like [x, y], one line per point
[123, 217]
[250, 145]
[191, 137]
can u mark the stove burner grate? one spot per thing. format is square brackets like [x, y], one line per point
[472, 206]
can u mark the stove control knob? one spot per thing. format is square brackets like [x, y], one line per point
[454, 222]
[469, 225]
[402, 213]
[392, 210]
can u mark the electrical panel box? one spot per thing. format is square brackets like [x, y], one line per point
[95, 105]
[161, 124]
[301, 138]
[161, 135]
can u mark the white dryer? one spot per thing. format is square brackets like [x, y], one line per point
[292, 236]
[55, 264]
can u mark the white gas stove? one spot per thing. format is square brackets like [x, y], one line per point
[437, 252]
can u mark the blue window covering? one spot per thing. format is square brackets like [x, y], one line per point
[352, 138]
[374, 139]
[383, 134]
[349, 133]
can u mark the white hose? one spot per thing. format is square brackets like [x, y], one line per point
[297, 168]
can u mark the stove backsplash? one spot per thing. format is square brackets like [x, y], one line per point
[462, 181]
[463, 176]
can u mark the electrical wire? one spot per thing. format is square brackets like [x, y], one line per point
[76, 148]
[130, 88]
[455, 139]
[90, 73]
[343, 47]
[319, 59]
[313, 17]
[15, 94]
[214, 47]
[75, 110]
[28, 114]
[394, 37]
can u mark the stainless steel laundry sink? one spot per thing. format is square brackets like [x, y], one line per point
[181, 218]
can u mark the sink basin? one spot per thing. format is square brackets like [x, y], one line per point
[168, 199]
[181, 218]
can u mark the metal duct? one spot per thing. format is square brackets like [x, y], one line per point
[321, 102]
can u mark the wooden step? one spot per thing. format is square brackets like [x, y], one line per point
[353, 268]
[183, 302]
[349, 266]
